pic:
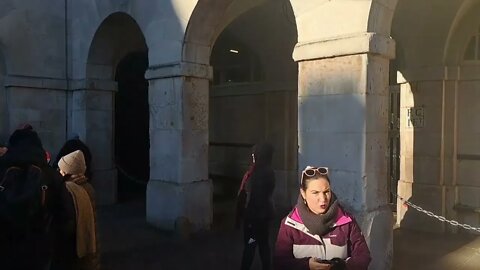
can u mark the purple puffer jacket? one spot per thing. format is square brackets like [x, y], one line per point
[295, 245]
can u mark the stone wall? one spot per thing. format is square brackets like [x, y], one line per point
[32, 45]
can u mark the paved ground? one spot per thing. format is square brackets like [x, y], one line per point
[415, 250]
[129, 243]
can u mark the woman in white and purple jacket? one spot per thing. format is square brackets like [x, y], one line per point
[318, 234]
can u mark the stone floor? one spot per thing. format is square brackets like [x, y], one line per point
[128, 242]
[416, 250]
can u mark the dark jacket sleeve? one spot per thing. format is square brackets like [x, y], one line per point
[283, 257]
[69, 212]
[240, 207]
[63, 207]
[359, 252]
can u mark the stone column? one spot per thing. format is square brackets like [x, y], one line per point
[343, 124]
[179, 190]
[92, 117]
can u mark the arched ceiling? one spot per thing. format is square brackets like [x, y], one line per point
[421, 30]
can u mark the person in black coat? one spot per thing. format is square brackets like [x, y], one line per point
[258, 205]
[33, 248]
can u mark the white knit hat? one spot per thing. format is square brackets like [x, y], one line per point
[73, 163]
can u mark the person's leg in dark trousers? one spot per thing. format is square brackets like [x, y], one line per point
[250, 243]
[256, 233]
[262, 233]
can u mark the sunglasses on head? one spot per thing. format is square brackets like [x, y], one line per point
[311, 171]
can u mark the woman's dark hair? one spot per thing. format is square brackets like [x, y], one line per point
[305, 180]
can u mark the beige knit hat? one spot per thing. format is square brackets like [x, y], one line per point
[73, 163]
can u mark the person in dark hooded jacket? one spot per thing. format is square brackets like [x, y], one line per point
[32, 249]
[71, 145]
[258, 208]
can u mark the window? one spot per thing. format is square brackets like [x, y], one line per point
[234, 62]
[473, 48]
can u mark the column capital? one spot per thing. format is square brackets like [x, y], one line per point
[180, 69]
[361, 43]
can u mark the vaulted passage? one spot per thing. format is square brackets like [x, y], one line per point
[116, 124]
[253, 98]
[131, 126]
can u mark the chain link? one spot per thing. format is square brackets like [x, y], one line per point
[440, 218]
[133, 179]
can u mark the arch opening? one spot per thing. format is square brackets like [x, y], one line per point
[253, 98]
[463, 50]
[132, 126]
[435, 67]
[116, 125]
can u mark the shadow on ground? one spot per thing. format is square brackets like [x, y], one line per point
[128, 242]
[432, 251]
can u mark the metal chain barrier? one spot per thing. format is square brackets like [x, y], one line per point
[130, 177]
[440, 218]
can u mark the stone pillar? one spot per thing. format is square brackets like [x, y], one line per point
[179, 189]
[92, 117]
[343, 124]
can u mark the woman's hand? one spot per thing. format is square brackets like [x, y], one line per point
[314, 265]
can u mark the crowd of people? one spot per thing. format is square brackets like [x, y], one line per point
[48, 216]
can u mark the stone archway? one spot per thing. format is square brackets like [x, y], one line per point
[93, 98]
[132, 143]
[343, 53]
[462, 57]
[438, 80]
[253, 98]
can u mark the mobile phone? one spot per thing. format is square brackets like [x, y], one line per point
[323, 261]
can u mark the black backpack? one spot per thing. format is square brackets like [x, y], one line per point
[23, 202]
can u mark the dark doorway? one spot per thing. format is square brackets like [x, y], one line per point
[253, 98]
[132, 144]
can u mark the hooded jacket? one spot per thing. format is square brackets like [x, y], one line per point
[295, 244]
[261, 184]
[25, 148]
[33, 252]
